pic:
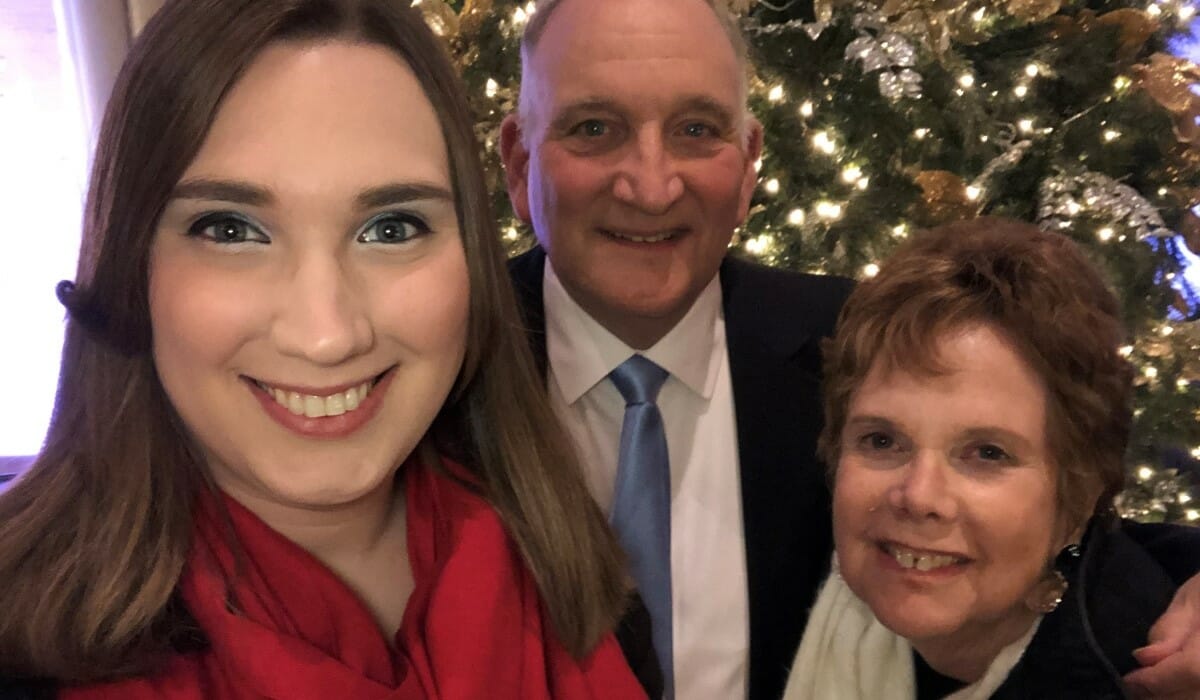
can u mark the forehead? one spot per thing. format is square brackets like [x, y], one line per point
[330, 113]
[634, 52]
[985, 380]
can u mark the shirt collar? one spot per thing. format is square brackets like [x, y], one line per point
[582, 352]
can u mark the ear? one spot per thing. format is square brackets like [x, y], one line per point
[753, 144]
[516, 165]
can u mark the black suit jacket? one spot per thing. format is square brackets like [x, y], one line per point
[774, 322]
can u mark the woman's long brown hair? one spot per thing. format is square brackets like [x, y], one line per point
[94, 537]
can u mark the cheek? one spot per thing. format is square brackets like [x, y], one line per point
[427, 311]
[856, 497]
[200, 314]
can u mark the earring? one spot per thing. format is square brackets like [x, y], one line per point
[1048, 593]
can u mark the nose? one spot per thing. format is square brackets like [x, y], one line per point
[649, 178]
[925, 488]
[322, 314]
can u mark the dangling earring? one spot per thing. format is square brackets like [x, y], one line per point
[1048, 593]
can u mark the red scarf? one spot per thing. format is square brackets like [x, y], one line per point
[474, 626]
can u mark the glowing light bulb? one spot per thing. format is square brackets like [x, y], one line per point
[1032, 70]
[1154, 10]
[758, 165]
[759, 244]
[1166, 331]
[851, 174]
[776, 93]
[979, 14]
[1111, 135]
[1126, 350]
[1021, 90]
[829, 210]
[900, 230]
[966, 80]
[1150, 372]
[1073, 207]
[796, 217]
[1025, 125]
[1186, 12]
[863, 183]
[921, 133]
[491, 87]
[870, 270]
[973, 192]
[512, 234]
[771, 186]
[1184, 497]
[1122, 82]
[1105, 234]
[806, 108]
[1145, 473]
[824, 143]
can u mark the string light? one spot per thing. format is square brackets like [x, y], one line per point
[1150, 372]
[758, 165]
[806, 109]
[1111, 135]
[512, 233]
[491, 88]
[966, 80]
[1126, 351]
[1032, 70]
[772, 186]
[900, 231]
[1105, 234]
[1122, 83]
[851, 174]
[1154, 10]
[1073, 207]
[824, 143]
[1184, 498]
[973, 192]
[829, 210]
[863, 183]
[759, 244]
[870, 270]
[921, 133]
[1145, 473]
[1186, 12]
[776, 93]
[1025, 125]
[979, 14]
[1021, 90]
[796, 217]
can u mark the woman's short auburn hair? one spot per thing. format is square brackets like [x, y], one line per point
[1038, 290]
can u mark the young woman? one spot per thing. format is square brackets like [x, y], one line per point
[299, 448]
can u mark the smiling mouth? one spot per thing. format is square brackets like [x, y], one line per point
[921, 560]
[644, 236]
[334, 403]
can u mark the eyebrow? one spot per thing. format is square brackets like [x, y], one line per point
[248, 194]
[692, 103]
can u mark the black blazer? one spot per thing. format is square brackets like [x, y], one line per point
[774, 322]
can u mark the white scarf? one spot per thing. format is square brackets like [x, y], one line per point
[847, 654]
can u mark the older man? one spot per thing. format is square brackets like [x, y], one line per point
[690, 380]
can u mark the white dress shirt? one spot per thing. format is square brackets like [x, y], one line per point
[710, 611]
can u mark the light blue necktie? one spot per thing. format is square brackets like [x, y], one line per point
[641, 513]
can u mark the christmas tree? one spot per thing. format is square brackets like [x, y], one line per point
[885, 116]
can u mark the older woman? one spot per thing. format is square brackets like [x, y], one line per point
[978, 412]
[299, 448]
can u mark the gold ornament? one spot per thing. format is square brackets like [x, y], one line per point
[943, 198]
[1168, 80]
[1033, 10]
[1134, 27]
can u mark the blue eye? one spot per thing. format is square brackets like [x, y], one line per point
[227, 228]
[392, 228]
[878, 441]
[592, 128]
[698, 130]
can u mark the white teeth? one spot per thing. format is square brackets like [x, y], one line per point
[644, 239]
[319, 406]
[921, 562]
[314, 407]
